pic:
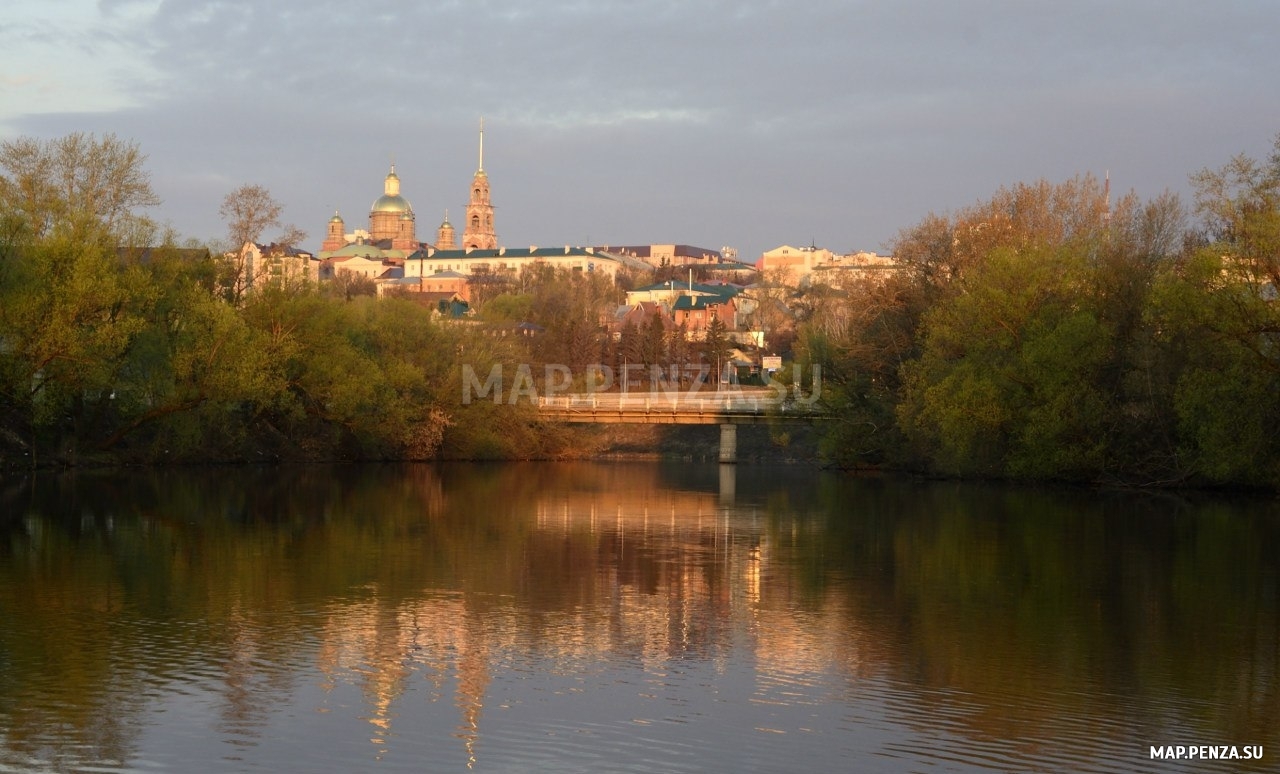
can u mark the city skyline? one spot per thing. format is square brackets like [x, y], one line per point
[750, 125]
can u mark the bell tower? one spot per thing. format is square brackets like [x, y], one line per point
[444, 235]
[334, 239]
[477, 231]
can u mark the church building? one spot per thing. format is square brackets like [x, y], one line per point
[392, 232]
[391, 254]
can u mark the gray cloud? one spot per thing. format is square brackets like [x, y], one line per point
[711, 123]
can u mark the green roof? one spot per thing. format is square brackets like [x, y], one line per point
[691, 303]
[725, 291]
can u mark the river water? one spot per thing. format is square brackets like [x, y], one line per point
[629, 617]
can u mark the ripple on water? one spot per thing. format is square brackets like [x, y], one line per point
[952, 730]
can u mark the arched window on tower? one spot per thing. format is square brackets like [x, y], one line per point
[476, 193]
[475, 221]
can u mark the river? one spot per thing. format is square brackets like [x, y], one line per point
[629, 617]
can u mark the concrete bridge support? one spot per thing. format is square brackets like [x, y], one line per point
[728, 443]
[728, 484]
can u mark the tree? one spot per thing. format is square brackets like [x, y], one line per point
[68, 316]
[773, 294]
[485, 284]
[653, 340]
[1005, 383]
[291, 236]
[197, 376]
[862, 367]
[679, 350]
[1216, 316]
[76, 184]
[508, 308]
[348, 284]
[715, 347]
[1030, 349]
[249, 210]
[68, 307]
[570, 305]
[629, 352]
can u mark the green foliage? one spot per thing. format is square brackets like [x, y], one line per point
[491, 427]
[1001, 366]
[1017, 342]
[356, 376]
[1229, 423]
[77, 185]
[715, 347]
[1046, 333]
[1222, 327]
[1060, 344]
[653, 341]
[1064, 434]
[507, 308]
[67, 319]
[140, 354]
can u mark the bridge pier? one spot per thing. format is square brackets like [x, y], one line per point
[728, 443]
[728, 484]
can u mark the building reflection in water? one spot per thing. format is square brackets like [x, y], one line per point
[382, 651]
[428, 601]
[646, 575]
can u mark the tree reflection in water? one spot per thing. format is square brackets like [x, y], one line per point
[645, 615]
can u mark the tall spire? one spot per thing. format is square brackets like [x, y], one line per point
[477, 230]
[1106, 215]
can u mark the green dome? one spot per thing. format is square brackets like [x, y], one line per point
[387, 203]
[357, 250]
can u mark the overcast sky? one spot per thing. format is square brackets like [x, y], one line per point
[749, 123]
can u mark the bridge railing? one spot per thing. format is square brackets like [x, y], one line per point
[719, 402]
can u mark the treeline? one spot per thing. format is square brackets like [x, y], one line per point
[136, 355]
[1050, 334]
[114, 359]
[1047, 333]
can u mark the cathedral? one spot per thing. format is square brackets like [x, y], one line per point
[392, 254]
[393, 225]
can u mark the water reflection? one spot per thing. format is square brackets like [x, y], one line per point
[640, 617]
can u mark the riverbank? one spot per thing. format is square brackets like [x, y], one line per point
[699, 443]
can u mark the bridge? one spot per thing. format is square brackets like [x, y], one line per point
[728, 408]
